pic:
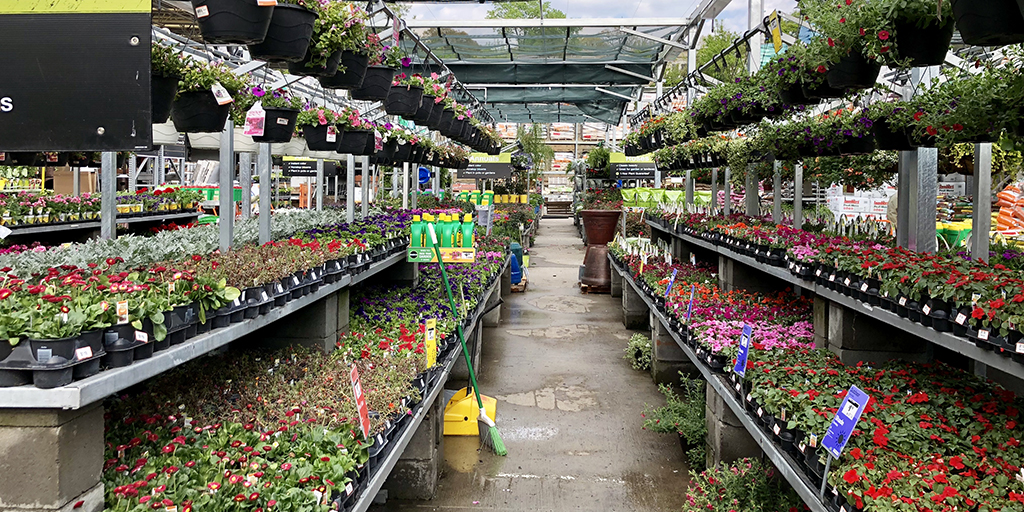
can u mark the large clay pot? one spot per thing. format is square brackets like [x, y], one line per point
[600, 225]
[596, 272]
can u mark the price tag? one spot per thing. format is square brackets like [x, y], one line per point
[295, 281]
[142, 336]
[279, 288]
[926, 309]
[744, 350]
[983, 334]
[817, 272]
[961, 318]
[266, 3]
[814, 440]
[903, 301]
[802, 447]
[760, 412]
[380, 439]
[348, 489]
[122, 312]
[847, 281]
[1020, 347]
[332, 134]
[864, 287]
[83, 353]
[202, 11]
[776, 429]
[364, 411]
[750, 396]
[4, 232]
[255, 120]
[221, 94]
[832, 278]
[430, 341]
[739, 387]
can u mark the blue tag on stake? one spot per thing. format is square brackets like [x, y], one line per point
[845, 421]
[689, 307]
[671, 282]
[741, 357]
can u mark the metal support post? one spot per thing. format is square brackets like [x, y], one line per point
[405, 185]
[414, 182]
[76, 180]
[777, 193]
[750, 195]
[227, 186]
[714, 190]
[159, 174]
[337, 178]
[108, 196]
[245, 180]
[755, 17]
[365, 163]
[727, 188]
[923, 196]
[657, 173]
[350, 190]
[904, 182]
[133, 176]
[266, 190]
[394, 182]
[798, 196]
[689, 190]
[436, 179]
[319, 184]
[982, 192]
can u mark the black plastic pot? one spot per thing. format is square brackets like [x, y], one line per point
[376, 84]
[287, 39]
[989, 22]
[163, 90]
[351, 72]
[422, 115]
[232, 21]
[924, 46]
[316, 137]
[403, 100]
[858, 145]
[22, 158]
[390, 147]
[198, 111]
[330, 68]
[853, 71]
[279, 125]
[356, 142]
[822, 91]
[889, 139]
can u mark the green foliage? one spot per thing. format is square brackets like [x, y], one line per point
[683, 413]
[166, 61]
[523, 10]
[732, 67]
[747, 484]
[200, 76]
[599, 159]
[638, 352]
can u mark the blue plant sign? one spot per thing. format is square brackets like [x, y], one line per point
[741, 357]
[671, 282]
[689, 307]
[845, 421]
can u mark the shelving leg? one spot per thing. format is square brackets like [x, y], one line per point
[714, 190]
[798, 196]
[266, 190]
[108, 196]
[245, 180]
[777, 193]
[727, 188]
[319, 184]
[227, 186]
[689, 190]
[982, 192]
[350, 190]
[365, 164]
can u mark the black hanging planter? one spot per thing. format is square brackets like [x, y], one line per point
[279, 126]
[435, 120]
[329, 69]
[316, 137]
[356, 142]
[54, 159]
[351, 77]
[858, 145]
[889, 139]
[390, 148]
[821, 91]
[853, 71]
[163, 90]
[924, 46]
[989, 22]
[422, 114]
[232, 21]
[403, 153]
[23, 159]
[376, 84]
[198, 112]
[403, 100]
[287, 40]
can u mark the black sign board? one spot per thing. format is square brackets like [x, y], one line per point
[75, 75]
[638, 167]
[487, 167]
[308, 168]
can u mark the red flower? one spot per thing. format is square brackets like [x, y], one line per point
[239, 497]
[958, 127]
[1010, 424]
[831, 42]
[863, 32]
[883, 35]
[996, 304]
[918, 116]
[851, 477]
[842, 20]
[977, 314]
[932, 131]
[957, 462]
[822, 69]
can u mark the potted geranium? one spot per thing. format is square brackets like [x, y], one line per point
[233, 21]
[289, 33]
[197, 107]
[849, 65]
[339, 28]
[167, 68]
[971, 107]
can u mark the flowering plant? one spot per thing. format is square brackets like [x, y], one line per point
[317, 116]
[201, 76]
[166, 62]
[339, 26]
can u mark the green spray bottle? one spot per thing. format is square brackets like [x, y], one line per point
[446, 230]
[417, 232]
[428, 221]
[467, 231]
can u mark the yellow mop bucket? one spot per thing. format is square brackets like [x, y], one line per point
[460, 415]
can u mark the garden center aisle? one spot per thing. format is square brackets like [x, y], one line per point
[569, 405]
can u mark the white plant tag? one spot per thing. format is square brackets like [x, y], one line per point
[983, 334]
[255, 120]
[5, 232]
[961, 318]
[83, 353]
[864, 287]
[142, 336]
[219, 92]
[202, 11]
[1020, 347]
[903, 301]
[332, 134]
[776, 429]
[926, 309]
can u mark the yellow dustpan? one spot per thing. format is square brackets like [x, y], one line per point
[460, 415]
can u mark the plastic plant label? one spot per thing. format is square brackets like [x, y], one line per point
[172, 508]
[817, 272]
[202, 11]
[671, 282]
[295, 281]
[279, 288]
[693, 260]
[364, 411]
[83, 353]
[739, 387]
[266, 3]
[43, 354]
[317, 496]
[802, 447]
[975, 297]
[832, 278]
[5, 232]
[864, 287]
[122, 312]
[776, 429]
[142, 336]
[814, 440]
[255, 120]
[221, 94]
[744, 350]
[236, 303]
[348, 489]
[760, 412]
[926, 309]
[845, 421]
[903, 301]
[689, 307]
[332, 134]
[983, 334]
[430, 341]
[380, 439]
[1020, 347]
[750, 396]
[847, 281]
[961, 318]
[783, 414]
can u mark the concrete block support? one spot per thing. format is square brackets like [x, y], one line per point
[634, 310]
[475, 343]
[51, 459]
[820, 322]
[727, 439]
[416, 473]
[616, 284]
[506, 281]
[733, 275]
[855, 338]
[317, 325]
[493, 318]
[667, 359]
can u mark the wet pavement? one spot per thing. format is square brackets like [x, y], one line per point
[568, 405]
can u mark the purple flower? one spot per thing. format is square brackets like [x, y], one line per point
[258, 92]
[406, 62]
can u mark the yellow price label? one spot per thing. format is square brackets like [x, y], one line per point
[775, 26]
[430, 342]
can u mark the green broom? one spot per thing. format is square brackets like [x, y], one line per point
[489, 435]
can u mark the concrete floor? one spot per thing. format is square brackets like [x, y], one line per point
[568, 405]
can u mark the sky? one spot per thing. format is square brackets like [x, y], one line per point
[734, 17]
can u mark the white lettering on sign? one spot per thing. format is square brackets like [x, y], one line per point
[6, 104]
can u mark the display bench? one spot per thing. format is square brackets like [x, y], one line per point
[903, 326]
[721, 387]
[89, 229]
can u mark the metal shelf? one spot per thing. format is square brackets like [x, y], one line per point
[86, 391]
[783, 461]
[944, 339]
[95, 224]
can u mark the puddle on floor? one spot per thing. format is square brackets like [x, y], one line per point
[559, 332]
[562, 397]
[563, 304]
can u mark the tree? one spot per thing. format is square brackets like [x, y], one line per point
[727, 69]
[522, 10]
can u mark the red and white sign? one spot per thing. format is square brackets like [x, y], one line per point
[364, 411]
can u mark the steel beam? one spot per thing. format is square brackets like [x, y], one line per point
[661, 40]
[108, 195]
[245, 180]
[777, 193]
[727, 188]
[630, 73]
[982, 216]
[263, 164]
[798, 196]
[350, 190]
[319, 184]
[612, 93]
[227, 186]
[551, 22]
[365, 164]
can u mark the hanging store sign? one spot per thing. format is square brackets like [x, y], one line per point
[292, 166]
[633, 167]
[487, 167]
[76, 75]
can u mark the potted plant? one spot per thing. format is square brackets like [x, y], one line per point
[357, 133]
[167, 68]
[989, 22]
[289, 33]
[282, 111]
[197, 109]
[375, 62]
[971, 106]
[339, 28]
[405, 95]
[433, 91]
[892, 124]
[599, 163]
[847, 59]
[683, 414]
[232, 21]
[319, 126]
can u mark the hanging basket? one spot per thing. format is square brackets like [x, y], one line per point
[390, 147]
[376, 84]
[924, 46]
[436, 115]
[232, 21]
[279, 126]
[198, 111]
[422, 115]
[163, 90]
[403, 153]
[288, 36]
[351, 77]
[858, 146]
[316, 137]
[853, 71]
[989, 22]
[794, 95]
[357, 142]
[821, 91]
[889, 139]
[403, 100]
[54, 159]
[300, 67]
[22, 158]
